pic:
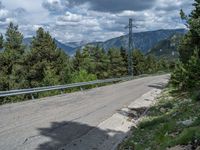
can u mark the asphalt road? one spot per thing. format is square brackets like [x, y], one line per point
[54, 122]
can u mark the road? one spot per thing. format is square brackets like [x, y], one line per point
[54, 122]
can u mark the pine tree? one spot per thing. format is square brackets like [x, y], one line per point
[124, 55]
[44, 52]
[193, 68]
[4, 80]
[116, 66]
[82, 76]
[87, 60]
[151, 64]
[100, 62]
[138, 62]
[187, 73]
[196, 12]
[50, 77]
[14, 40]
[1, 41]
[77, 60]
[192, 38]
[14, 58]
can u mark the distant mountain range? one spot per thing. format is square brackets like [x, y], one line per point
[68, 49]
[144, 41]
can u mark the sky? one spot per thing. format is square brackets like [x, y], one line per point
[91, 20]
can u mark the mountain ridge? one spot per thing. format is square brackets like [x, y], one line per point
[67, 49]
[144, 41]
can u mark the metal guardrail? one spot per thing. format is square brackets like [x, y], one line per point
[58, 87]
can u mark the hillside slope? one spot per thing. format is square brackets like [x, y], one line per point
[142, 40]
[168, 48]
[69, 50]
[172, 124]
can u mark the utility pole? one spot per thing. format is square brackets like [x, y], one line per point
[130, 47]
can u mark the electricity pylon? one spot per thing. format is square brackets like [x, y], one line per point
[130, 47]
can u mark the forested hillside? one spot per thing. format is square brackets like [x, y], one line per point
[142, 40]
[168, 48]
[44, 63]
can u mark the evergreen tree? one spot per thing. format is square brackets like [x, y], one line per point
[44, 53]
[14, 41]
[82, 76]
[100, 62]
[1, 41]
[116, 66]
[151, 64]
[64, 67]
[87, 60]
[50, 77]
[13, 58]
[192, 38]
[4, 80]
[124, 55]
[77, 60]
[92, 59]
[187, 73]
[138, 62]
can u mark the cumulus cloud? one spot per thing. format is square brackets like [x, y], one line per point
[100, 5]
[115, 5]
[54, 6]
[91, 20]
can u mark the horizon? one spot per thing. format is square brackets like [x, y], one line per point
[86, 42]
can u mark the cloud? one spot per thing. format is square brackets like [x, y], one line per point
[19, 12]
[115, 5]
[55, 6]
[91, 20]
[70, 17]
[171, 5]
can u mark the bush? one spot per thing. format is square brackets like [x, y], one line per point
[82, 76]
[179, 76]
[187, 76]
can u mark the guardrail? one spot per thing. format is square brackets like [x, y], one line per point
[58, 87]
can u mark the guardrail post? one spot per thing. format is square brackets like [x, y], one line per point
[32, 97]
[61, 91]
[81, 88]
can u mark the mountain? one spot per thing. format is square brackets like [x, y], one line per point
[76, 44]
[69, 50]
[142, 40]
[167, 48]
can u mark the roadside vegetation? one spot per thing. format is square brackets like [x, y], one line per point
[174, 122]
[44, 64]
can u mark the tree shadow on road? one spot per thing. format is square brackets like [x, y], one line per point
[66, 136]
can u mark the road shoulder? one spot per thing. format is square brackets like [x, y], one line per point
[117, 127]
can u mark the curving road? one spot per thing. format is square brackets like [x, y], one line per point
[54, 122]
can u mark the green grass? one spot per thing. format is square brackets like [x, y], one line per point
[164, 126]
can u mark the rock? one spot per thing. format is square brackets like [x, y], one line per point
[163, 110]
[179, 147]
[198, 148]
[187, 122]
